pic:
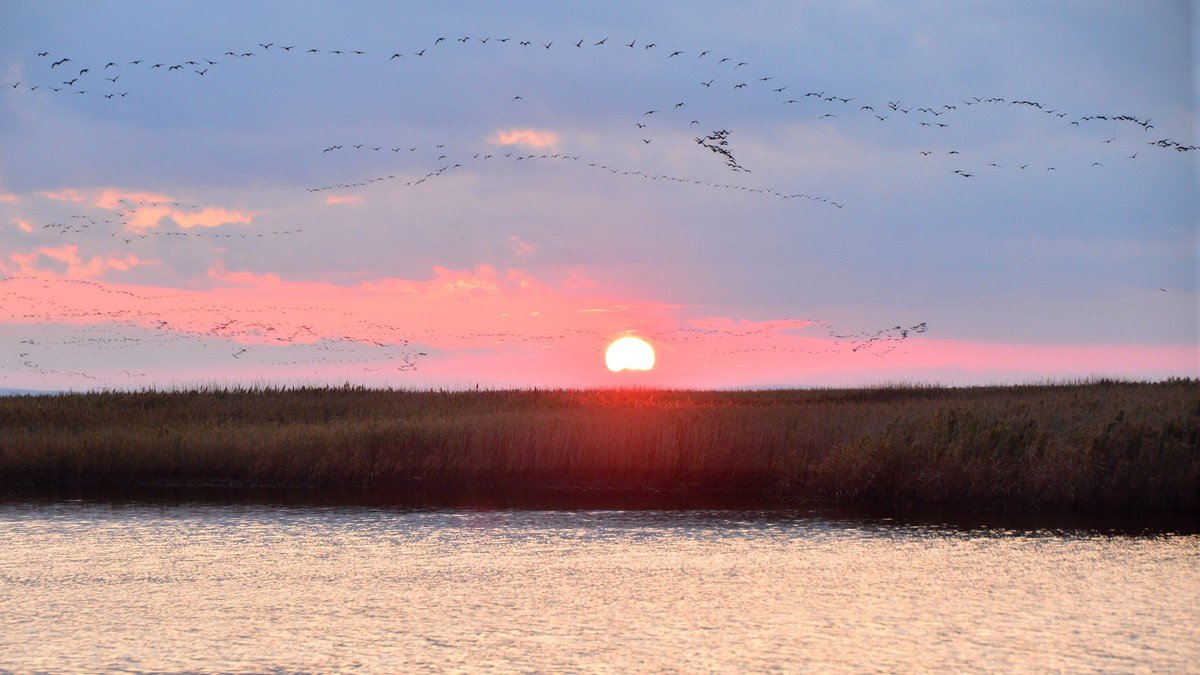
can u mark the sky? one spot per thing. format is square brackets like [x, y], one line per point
[771, 194]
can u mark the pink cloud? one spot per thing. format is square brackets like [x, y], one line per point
[8, 198]
[527, 138]
[520, 248]
[212, 217]
[334, 200]
[147, 217]
[144, 210]
[44, 258]
[578, 279]
[24, 226]
[113, 199]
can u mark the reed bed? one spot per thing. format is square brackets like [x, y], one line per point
[1091, 446]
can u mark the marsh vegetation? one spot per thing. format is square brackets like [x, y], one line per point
[1099, 446]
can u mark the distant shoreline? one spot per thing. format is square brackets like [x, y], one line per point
[1089, 448]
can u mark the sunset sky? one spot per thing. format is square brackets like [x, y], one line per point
[215, 224]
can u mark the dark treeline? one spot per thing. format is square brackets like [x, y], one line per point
[1096, 446]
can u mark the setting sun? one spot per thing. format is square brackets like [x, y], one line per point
[629, 353]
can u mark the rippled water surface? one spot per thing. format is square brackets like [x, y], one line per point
[104, 586]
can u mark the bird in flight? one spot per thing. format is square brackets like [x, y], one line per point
[601, 42]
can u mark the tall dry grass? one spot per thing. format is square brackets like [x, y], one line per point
[1100, 445]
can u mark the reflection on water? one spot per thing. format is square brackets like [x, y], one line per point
[228, 586]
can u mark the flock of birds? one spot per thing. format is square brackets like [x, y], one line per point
[372, 347]
[513, 156]
[734, 74]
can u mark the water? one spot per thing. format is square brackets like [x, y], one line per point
[91, 585]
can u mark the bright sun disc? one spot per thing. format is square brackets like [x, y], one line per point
[629, 353]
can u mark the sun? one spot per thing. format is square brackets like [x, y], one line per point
[629, 353]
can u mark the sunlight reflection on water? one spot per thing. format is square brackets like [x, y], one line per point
[246, 587]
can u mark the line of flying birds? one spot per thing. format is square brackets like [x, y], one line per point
[251, 337]
[729, 65]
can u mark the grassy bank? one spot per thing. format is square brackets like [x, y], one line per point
[1102, 446]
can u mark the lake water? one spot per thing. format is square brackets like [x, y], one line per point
[102, 585]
